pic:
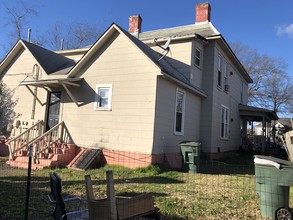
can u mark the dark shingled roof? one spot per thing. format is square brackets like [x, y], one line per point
[50, 61]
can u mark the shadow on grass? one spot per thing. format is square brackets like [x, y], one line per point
[235, 164]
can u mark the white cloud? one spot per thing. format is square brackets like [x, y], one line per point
[285, 30]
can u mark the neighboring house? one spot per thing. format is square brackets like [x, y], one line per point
[137, 94]
[284, 124]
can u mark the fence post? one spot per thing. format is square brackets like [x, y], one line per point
[28, 182]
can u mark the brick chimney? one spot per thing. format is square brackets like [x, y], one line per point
[203, 12]
[135, 24]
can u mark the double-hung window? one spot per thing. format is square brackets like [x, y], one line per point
[103, 99]
[219, 65]
[179, 112]
[197, 57]
[224, 122]
[226, 69]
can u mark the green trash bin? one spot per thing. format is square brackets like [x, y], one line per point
[273, 180]
[190, 151]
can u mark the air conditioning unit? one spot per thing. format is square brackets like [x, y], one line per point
[226, 88]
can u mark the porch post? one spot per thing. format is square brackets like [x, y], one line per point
[263, 135]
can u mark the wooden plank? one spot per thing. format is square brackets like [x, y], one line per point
[85, 158]
[111, 195]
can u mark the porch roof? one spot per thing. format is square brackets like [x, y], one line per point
[48, 84]
[256, 114]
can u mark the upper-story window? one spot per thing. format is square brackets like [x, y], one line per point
[219, 66]
[103, 99]
[197, 57]
[179, 112]
[226, 84]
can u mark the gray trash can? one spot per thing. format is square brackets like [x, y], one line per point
[273, 180]
[190, 151]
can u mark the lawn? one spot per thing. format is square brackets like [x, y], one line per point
[218, 193]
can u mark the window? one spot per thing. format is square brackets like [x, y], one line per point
[103, 97]
[197, 57]
[226, 77]
[219, 71]
[225, 122]
[179, 112]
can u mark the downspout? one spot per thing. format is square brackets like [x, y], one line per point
[35, 69]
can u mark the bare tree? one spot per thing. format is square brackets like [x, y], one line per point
[18, 18]
[72, 36]
[272, 87]
[276, 93]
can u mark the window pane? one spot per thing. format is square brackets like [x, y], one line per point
[224, 122]
[219, 78]
[197, 61]
[104, 92]
[103, 102]
[178, 122]
[179, 102]
[197, 53]
[179, 117]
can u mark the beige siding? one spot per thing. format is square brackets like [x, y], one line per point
[165, 140]
[129, 125]
[180, 54]
[21, 69]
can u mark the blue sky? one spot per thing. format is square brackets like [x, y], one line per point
[266, 25]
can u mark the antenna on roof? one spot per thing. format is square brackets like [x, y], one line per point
[165, 47]
[62, 43]
[29, 35]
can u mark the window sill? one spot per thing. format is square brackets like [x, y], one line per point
[178, 133]
[103, 109]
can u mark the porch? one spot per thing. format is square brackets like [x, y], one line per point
[249, 115]
[53, 148]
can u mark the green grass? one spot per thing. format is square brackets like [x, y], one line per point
[178, 195]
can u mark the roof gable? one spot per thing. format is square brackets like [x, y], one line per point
[163, 65]
[101, 41]
[49, 61]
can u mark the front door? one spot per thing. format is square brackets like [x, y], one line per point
[53, 109]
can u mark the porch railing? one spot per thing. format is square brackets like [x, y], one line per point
[21, 141]
[51, 141]
[41, 142]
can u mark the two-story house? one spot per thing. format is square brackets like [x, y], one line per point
[134, 94]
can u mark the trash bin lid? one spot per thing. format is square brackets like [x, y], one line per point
[276, 160]
[190, 143]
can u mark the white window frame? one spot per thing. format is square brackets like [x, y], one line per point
[197, 58]
[98, 98]
[225, 115]
[179, 92]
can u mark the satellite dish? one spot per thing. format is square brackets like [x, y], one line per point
[165, 47]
